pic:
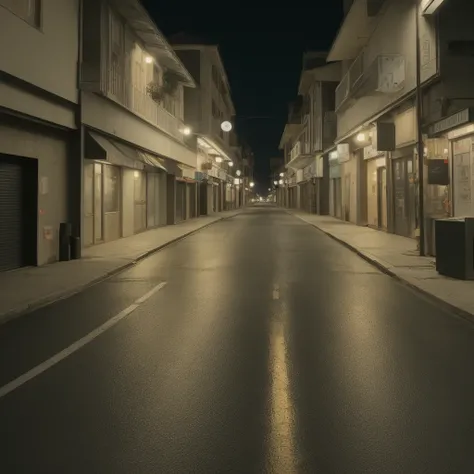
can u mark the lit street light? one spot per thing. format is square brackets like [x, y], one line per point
[226, 126]
[252, 184]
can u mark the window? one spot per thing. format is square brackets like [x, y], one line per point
[111, 188]
[116, 57]
[28, 10]
[215, 110]
[215, 76]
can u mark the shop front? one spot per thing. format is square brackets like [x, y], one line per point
[376, 169]
[124, 190]
[404, 192]
[349, 184]
[453, 137]
[308, 190]
[335, 187]
[403, 176]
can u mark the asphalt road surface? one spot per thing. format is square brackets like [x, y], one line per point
[257, 345]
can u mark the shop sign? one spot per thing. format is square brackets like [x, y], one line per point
[343, 152]
[461, 132]
[371, 152]
[454, 121]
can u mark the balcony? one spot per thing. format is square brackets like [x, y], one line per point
[300, 155]
[384, 75]
[139, 101]
[350, 81]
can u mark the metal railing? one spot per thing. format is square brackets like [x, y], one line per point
[139, 101]
[350, 81]
[300, 148]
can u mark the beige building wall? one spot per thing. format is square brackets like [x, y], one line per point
[393, 35]
[51, 153]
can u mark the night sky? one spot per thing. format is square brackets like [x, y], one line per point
[262, 50]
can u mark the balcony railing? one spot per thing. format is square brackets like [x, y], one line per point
[384, 75]
[299, 149]
[350, 81]
[140, 102]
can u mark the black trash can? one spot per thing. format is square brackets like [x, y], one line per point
[75, 248]
[65, 230]
[455, 247]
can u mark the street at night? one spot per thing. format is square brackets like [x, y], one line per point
[256, 345]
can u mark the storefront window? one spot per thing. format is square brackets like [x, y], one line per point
[111, 188]
[462, 177]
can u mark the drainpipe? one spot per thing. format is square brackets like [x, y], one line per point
[420, 145]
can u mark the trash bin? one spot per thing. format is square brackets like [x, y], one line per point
[65, 230]
[455, 247]
[75, 248]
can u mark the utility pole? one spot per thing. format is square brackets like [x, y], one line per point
[420, 145]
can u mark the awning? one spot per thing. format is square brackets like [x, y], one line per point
[301, 161]
[146, 29]
[99, 147]
[212, 147]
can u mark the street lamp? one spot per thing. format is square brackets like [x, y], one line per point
[275, 183]
[186, 131]
[238, 172]
[252, 184]
[226, 126]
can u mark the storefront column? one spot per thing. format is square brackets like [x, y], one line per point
[170, 199]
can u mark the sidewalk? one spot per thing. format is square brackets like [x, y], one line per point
[29, 288]
[398, 257]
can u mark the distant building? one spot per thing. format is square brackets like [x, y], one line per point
[207, 108]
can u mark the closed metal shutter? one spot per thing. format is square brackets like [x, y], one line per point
[10, 216]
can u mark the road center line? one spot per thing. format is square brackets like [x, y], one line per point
[52, 361]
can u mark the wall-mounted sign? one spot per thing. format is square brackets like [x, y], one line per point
[371, 152]
[48, 232]
[438, 172]
[343, 152]
[454, 121]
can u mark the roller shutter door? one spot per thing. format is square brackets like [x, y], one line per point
[11, 217]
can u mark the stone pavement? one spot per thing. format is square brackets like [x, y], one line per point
[398, 257]
[29, 288]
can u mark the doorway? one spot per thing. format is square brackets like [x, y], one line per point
[382, 197]
[18, 212]
[139, 196]
[404, 196]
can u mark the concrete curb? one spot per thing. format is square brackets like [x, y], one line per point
[55, 297]
[430, 296]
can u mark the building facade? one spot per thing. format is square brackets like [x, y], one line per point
[373, 163]
[310, 131]
[207, 108]
[39, 128]
[139, 163]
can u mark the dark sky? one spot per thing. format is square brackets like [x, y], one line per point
[262, 50]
